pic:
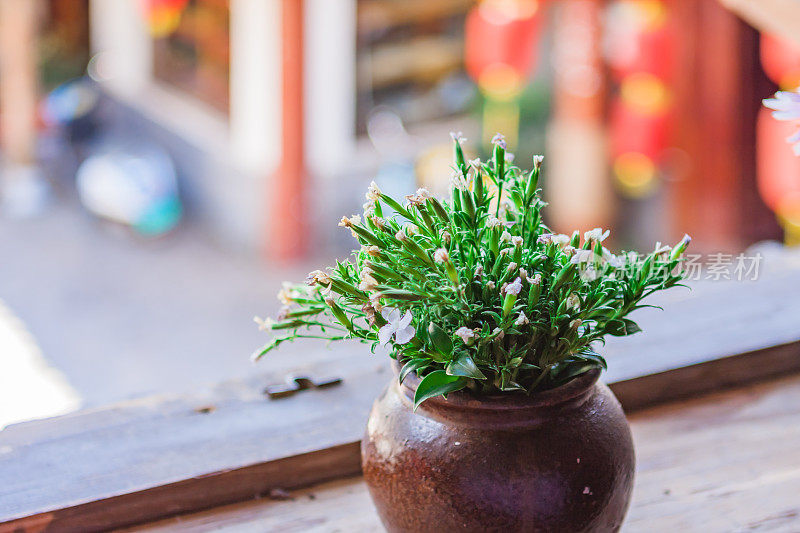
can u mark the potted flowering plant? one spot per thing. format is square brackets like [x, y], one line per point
[496, 419]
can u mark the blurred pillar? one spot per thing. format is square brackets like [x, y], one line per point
[713, 195]
[255, 85]
[288, 239]
[18, 80]
[579, 190]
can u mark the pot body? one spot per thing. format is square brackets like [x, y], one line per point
[557, 461]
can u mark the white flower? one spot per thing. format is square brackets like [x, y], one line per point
[263, 325]
[516, 240]
[373, 192]
[420, 197]
[582, 256]
[537, 161]
[369, 209]
[441, 256]
[479, 271]
[490, 285]
[458, 137]
[375, 300]
[545, 238]
[536, 280]
[475, 164]
[786, 106]
[596, 235]
[457, 181]
[499, 140]
[515, 287]
[560, 239]
[379, 222]
[372, 250]
[661, 249]
[521, 320]
[575, 324]
[347, 222]
[523, 274]
[398, 326]
[512, 266]
[318, 277]
[574, 302]
[287, 294]
[493, 222]
[509, 157]
[505, 237]
[368, 283]
[466, 334]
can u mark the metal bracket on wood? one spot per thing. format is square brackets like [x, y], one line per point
[296, 384]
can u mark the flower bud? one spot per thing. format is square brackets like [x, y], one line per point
[680, 247]
[339, 314]
[467, 335]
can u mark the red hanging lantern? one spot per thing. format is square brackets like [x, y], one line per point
[641, 54]
[778, 167]
[500, 44]
[641, 40]
[781, 61]
[633, 131]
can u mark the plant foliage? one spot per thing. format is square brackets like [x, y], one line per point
[475, 291]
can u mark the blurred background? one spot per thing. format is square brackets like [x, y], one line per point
[167, 163]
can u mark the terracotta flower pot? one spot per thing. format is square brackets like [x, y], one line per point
[560, 460]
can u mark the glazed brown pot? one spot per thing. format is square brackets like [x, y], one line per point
[556, 461]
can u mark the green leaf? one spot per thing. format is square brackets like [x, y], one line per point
[464, 366]
[399, 294]
[437, 383]
[438, 356]
[411, 366]
[622, 327]
[572, 370]
[440, 340]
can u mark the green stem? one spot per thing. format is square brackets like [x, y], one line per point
[545, 371]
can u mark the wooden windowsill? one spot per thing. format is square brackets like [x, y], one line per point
[724, 462]
[143, 460]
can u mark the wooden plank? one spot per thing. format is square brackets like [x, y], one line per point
[726, 462]
[136, 457]
[158, 457]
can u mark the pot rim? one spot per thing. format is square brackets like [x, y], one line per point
[576, 389]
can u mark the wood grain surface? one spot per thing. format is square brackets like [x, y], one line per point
[727, 462]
